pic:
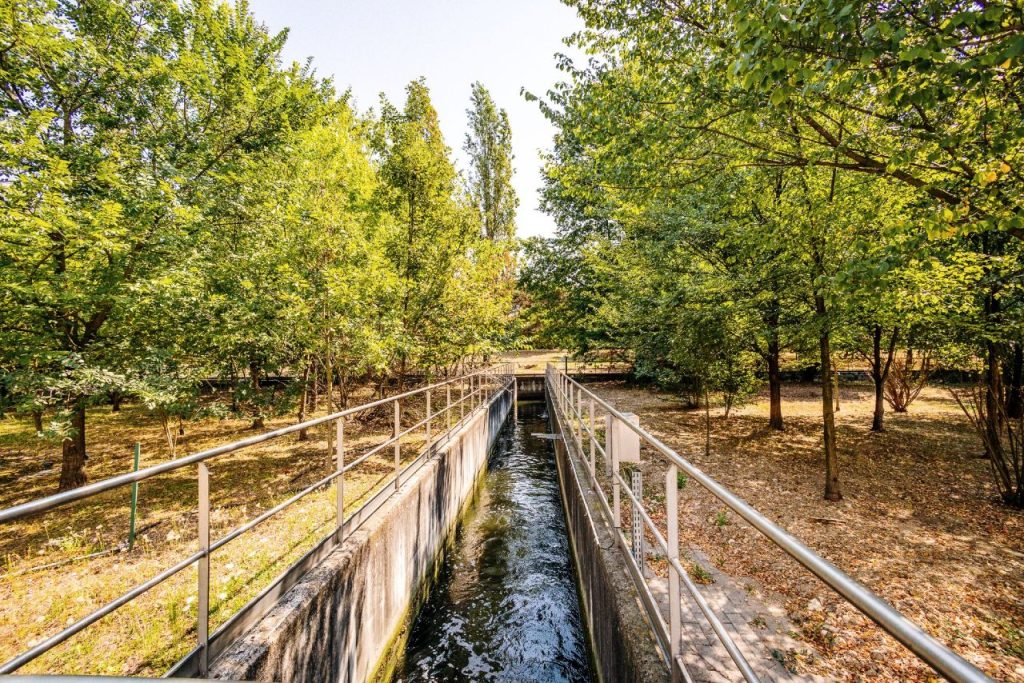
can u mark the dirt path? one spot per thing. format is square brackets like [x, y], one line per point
[918, 524]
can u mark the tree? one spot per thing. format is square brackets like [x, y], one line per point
[436, 243]
[489, 146]
[124, 118]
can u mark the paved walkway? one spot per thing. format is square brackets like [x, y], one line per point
[761, 631]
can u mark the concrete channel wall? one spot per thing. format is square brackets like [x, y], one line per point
[622, 639]
[342, 620]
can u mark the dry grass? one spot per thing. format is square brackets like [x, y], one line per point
[149, 635]
[534, 362]
[919, 524]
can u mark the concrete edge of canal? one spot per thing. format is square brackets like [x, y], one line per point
[622, 639]
[342, 617]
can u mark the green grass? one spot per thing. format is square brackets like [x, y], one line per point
[148, 635]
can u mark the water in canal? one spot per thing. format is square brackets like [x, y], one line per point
[505, 607]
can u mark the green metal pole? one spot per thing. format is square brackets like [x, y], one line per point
[135, 499]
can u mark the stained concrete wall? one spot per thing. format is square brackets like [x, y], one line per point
[340, 621]
[622, 639]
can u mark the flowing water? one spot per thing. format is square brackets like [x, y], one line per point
[505, 607]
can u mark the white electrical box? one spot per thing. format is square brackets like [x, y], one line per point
[624, 441]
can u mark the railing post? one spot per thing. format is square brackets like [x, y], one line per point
[616, 511]
[579, 417]
[636, 480]
[515, 397]
[398, 445]
[593, 439]
[608, 445]
[447, 406]
[203, 616]
[340, 482]
[428, 418]
[672, 538]
[134, 498]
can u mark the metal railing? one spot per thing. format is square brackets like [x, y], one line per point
[576, 405]
[475, 391]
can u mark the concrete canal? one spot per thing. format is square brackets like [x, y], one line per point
[505, 606]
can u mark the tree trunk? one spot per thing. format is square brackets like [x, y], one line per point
[774, 388]
[880, 372]
[314, 399]
[832, 489]
[1015, 398]
[37, 420]
[72, 469]
[993, 442]
[254, 376]
[707, 423]
[116, 399]
[993, 387]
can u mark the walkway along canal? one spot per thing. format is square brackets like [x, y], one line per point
[505, 606]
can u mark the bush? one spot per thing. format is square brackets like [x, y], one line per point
[906, 379]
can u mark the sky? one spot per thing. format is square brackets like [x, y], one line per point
[374, 46]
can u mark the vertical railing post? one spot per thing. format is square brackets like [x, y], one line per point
[447, 406]
[462, 399]
[608, 444]
[593, 439]
[636, 480]
[398, 445]
[579, 417]
[515, 397]
[203, 617]
[616, 512]
[428, 418]
[340, 481]
[134, 497]
[672, 538]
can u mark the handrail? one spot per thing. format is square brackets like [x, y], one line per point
[64, 497]
[498, 377]
[942, 659]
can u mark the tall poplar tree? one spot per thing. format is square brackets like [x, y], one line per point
[489, 146]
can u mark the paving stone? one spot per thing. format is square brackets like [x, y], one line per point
[705, 658]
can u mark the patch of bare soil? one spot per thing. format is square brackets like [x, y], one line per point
[919, 524]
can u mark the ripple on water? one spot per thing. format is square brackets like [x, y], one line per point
[505, 607]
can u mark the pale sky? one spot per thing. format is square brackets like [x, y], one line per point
[376, 47]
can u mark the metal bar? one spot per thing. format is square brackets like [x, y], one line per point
[716, 625]
[398, 445]
[428, 419]
[267, 514]
[135, 498]
[927, 648]
[65, 497]
[448, 407]
[340, 470]
[579, 418]
[616, 504]
[672, 529]
[58, 638]
[203, 617]
[608, 445]
[593, 438]
[515, 398]
[203, 555]
[637, 527]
